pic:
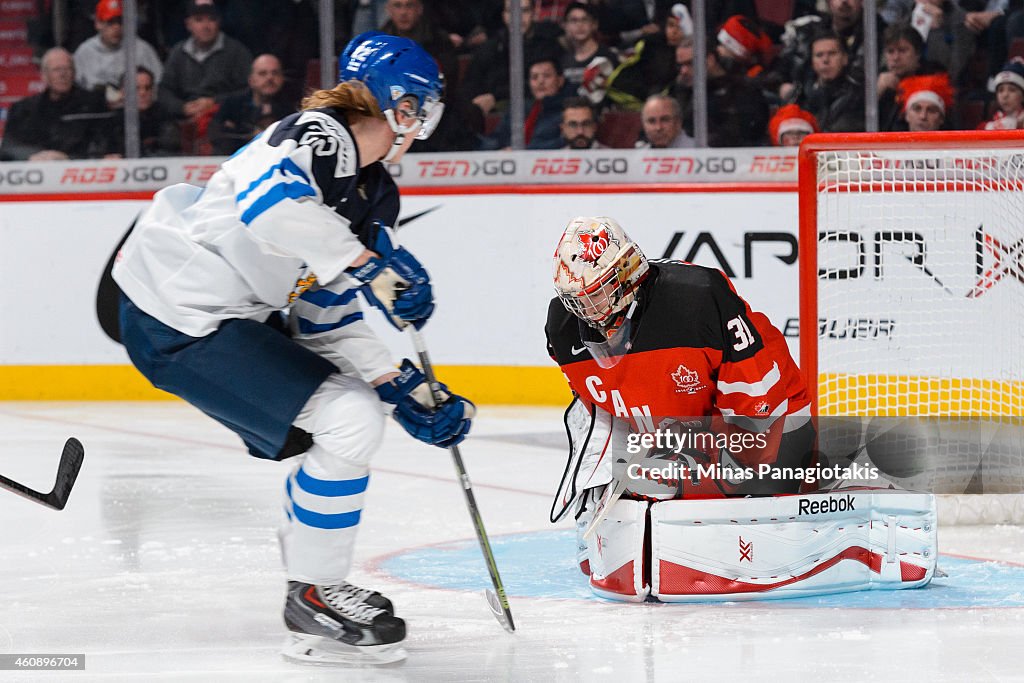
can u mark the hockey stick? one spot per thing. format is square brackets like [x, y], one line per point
[70, 463]
[496, 598]
[612, 494]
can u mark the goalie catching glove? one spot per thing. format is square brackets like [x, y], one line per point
[395, 282]
[443, 424]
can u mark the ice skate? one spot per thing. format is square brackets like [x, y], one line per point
[370, 597]
[341, 624]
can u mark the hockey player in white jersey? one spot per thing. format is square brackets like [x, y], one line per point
[241, 298]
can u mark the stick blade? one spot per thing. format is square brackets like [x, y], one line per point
[611, 494]
[500, 609]
[609, 497]
[71, 459]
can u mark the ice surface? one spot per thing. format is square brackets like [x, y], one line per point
[165, 566]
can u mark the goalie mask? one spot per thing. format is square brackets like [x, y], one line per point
[402, 76]
[598, 270]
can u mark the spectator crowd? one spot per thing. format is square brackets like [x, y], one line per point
[599, 73]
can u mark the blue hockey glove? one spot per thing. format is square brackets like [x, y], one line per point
[402, 290]
[445, 425]
[384, 245]
[396, 283]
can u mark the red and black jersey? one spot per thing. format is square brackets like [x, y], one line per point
[698, 350]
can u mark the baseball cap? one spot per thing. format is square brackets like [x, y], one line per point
[108, 9]
[196, 7]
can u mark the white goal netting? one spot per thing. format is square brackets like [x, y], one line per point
[920, 309]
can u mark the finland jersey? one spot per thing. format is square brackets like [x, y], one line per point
[273, 230]
[698, 350]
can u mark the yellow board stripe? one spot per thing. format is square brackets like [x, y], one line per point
[480, 383]
[496, 384]
[904, 395]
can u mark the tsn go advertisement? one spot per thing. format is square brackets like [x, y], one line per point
[489, 256]
[486, 231]
[489, 249]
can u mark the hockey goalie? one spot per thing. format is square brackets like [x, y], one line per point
[691, 441]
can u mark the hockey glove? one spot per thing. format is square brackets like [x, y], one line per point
[395, 282]
[384, 246]
[445, 425]
[402, 291]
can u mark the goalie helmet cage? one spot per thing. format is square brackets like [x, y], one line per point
[912, 299]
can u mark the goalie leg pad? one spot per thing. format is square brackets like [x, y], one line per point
[615, 553]
[791, 546]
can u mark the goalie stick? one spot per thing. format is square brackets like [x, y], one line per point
[67, 472]
[611, 494]
[496, 598]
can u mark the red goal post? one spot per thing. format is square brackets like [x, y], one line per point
[912, 283]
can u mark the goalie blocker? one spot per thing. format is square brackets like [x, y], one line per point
[761, 548]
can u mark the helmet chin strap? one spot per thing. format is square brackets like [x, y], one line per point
[610, 328]
[395, 148]
[400, 133]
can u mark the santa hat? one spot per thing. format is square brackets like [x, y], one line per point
[745, 39]
[788, 119]
[1012, 72]
[932, 88]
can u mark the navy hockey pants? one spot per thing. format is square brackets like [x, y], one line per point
[247, 375]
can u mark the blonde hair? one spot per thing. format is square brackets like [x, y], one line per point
[350, 96]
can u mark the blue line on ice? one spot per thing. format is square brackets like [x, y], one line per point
[542, 565]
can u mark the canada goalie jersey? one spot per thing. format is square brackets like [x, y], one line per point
[695, 353]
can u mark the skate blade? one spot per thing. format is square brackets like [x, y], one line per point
[307, 649]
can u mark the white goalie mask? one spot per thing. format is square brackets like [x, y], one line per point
[597, 269]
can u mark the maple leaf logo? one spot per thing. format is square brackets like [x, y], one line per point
[685, 377]
[593, 244]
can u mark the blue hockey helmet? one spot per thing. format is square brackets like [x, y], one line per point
[399, 73]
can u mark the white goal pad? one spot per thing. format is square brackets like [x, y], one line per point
[791, 546]
[616, 553]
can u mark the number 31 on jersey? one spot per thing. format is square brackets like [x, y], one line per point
[744, 338]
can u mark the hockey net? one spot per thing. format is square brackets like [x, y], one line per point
[912, 301]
